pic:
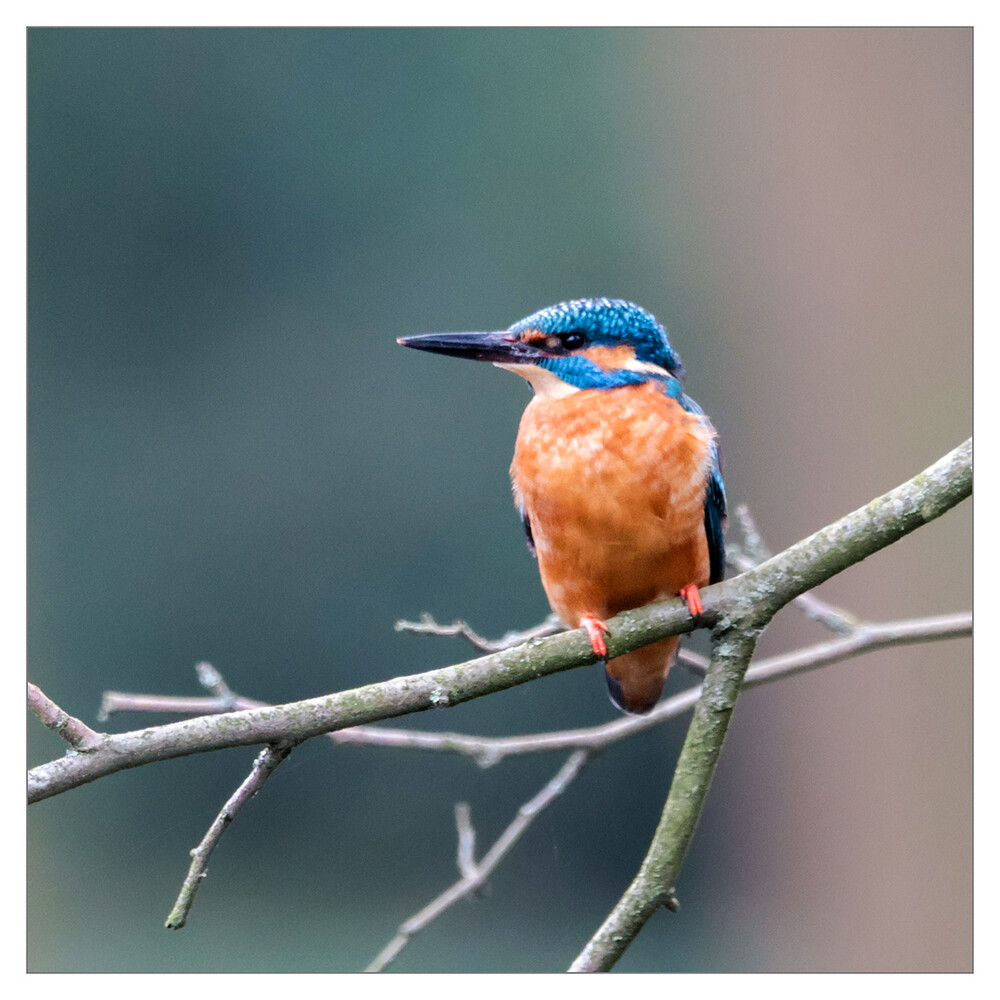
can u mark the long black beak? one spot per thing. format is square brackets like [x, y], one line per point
[500, 347]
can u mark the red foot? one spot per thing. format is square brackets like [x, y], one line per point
[595, 627]
[691, 595]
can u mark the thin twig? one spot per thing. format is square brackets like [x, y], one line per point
[224, 698]
[753, 543]
[428, 626]
[466, 853]
[212, 680]
[263, 767]
[836, 619]
[76, 733]
[479, 873]
[695, 663]
[122, 701]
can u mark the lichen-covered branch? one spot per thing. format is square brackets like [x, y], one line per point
[487, 751]
[653, 886]
[302, 720]
[754, 551]
[76, 733]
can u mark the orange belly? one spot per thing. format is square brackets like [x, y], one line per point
[613, 482]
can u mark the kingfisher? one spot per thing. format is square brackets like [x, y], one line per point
[616, 473]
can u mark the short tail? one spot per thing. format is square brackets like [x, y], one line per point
[635, 680]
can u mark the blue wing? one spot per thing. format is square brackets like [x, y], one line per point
[715, 519]
[526, 524]
[715, 499]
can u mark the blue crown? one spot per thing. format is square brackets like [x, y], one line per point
[608, 322]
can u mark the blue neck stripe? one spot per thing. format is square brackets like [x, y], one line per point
[584, 374]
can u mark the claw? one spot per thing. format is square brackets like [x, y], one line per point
[595, 627]
[693, 598]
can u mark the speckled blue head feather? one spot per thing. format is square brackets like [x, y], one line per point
[608, 322]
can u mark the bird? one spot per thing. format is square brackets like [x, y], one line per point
[616, 473]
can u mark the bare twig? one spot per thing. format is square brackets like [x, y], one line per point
[76, 733]
[263, 767]
[695, 663]
[753, 544]
[122, 701]
[211, 679]
[428, 626]
[478, 874]
[829, 615]
[224, 699]
[466, 855]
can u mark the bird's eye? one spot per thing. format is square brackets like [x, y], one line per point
[572, 340]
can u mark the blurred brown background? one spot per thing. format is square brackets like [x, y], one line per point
[230, 459]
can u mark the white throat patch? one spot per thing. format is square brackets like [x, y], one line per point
[545, 384]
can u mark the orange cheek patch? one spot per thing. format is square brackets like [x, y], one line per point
[533, 337]
[610, 358]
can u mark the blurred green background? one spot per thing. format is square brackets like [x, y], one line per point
[230, 459]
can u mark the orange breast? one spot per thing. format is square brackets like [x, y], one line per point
[613, 482]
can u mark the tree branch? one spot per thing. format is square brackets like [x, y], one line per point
[301, 720]
[487, 751]
[76, 733]
[754, 551]
[653, 886]
[263, 767]
[475, 876]
[749, 601]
